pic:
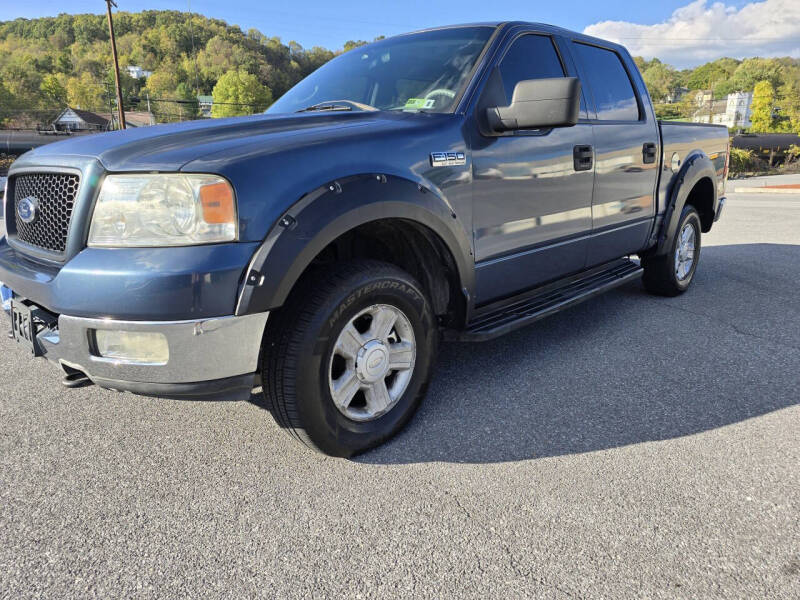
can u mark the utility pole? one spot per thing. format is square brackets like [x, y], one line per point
[110, 106]
[109, 4]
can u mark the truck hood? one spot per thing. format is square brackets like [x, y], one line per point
[171, 147]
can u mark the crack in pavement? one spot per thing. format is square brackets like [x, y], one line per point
[735, 328]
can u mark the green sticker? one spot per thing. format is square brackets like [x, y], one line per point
[419, 103]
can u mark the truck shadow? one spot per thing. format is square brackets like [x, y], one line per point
[624, 368]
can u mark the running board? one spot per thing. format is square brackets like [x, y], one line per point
[500, 318]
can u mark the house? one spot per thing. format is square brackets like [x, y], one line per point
[711, 111]
[74, 119]
[138, 72]
[739, 109]
[132, 119]
[733, 112]
[205, 103]
[703, 97]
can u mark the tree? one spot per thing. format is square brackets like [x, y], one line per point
[162, 89]
[6, 103]
[660, 79]
[350, 44]
[54, 90]
[239, 93]
[710, 74]
[85, 92]
[762, 117]
[753, 70]
[788, 98]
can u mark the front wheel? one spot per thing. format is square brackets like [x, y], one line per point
[347, 360]
[671, 274]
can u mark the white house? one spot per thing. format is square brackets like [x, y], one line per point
[74, 119]
[739, 109]
[138, 72]
[205, 103]
[734, 112]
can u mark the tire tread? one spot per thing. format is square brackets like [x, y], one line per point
[282, 339]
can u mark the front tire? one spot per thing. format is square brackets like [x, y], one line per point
[348, 358]
[672, 273]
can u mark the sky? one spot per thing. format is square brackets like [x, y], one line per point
[680, 32]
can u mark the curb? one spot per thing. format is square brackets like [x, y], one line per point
[765, 190]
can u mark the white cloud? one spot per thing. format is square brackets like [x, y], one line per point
[701, 31]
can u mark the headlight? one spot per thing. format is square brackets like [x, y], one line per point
[164, 209]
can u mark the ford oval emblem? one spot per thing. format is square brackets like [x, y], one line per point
[27, 209]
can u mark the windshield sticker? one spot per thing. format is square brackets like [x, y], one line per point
[420, 103]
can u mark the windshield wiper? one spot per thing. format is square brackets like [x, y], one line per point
[337, 105]
[320, 107]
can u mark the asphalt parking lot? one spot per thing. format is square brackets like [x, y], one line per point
[630, 447]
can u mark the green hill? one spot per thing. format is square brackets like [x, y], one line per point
[48, 63]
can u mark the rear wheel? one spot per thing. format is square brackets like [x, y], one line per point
[348, 359]
[671, 274]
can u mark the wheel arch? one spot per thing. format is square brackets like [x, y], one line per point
[693, 185]
[353, 206]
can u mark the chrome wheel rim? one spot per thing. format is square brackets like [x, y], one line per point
[372, 362]
[685, 251]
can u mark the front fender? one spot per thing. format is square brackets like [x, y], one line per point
[326, 213]
[696, 166]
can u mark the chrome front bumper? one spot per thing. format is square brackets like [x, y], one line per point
[215, 357]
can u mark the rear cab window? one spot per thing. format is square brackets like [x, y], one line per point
[608, 81]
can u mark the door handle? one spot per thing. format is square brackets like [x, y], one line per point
[583, 157]
[649, 153]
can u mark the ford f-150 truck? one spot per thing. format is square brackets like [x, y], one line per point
[454, 183]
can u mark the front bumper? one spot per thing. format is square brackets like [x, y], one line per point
[211, 358]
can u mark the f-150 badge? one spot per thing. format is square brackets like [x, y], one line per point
[448, 159]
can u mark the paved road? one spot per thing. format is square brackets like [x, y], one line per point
[630, 447]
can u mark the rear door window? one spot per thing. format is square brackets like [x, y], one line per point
[614, 97]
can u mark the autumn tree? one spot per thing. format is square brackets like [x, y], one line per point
[762, 117]
[239, 93]
[85, 92]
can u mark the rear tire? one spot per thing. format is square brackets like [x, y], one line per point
[362, 333]
[672, 273]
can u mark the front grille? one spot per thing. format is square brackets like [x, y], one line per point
[55, 198]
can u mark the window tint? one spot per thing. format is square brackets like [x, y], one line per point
[530, 57]
[613, 93]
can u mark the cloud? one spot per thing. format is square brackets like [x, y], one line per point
[702, 31]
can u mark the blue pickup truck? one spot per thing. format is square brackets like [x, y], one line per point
[454, 183]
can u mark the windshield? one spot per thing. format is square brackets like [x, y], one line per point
[420, 71]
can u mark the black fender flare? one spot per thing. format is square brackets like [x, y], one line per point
[333, 209]
[696, 167]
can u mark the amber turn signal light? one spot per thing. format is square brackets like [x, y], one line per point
[217, 202]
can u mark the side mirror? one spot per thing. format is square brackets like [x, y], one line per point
[539, 103]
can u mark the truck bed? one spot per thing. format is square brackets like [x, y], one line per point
[681, 138]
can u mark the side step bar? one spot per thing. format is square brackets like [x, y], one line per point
[500, 318]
